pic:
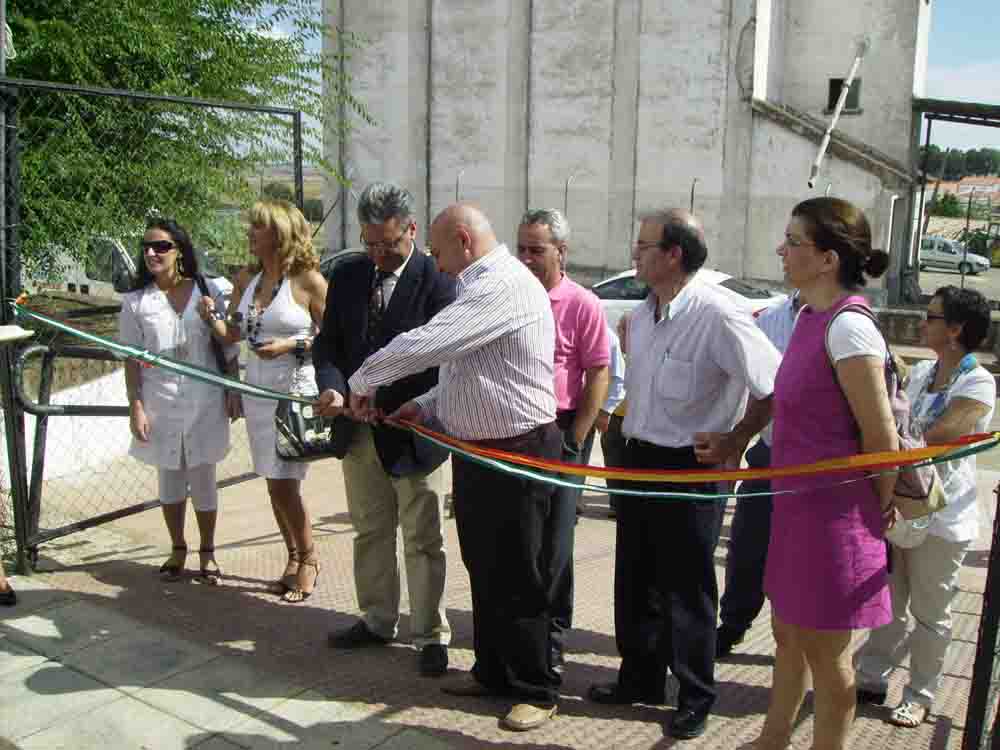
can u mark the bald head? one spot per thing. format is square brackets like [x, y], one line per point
[460, 235]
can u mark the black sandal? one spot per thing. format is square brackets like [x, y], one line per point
[210, 572]
[296, 594]
[287, 581]
[171, 570]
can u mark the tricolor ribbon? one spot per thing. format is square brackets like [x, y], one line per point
[557, 472]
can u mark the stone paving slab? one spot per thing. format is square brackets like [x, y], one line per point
[46, 694]
[263, 676]
[125, 723]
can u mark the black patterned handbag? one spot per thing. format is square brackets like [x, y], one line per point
[301, 434]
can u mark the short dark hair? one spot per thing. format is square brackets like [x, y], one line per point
[838, 225]
[968, 308]
[689, 239]
[181, 238]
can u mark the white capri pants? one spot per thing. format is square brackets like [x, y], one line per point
[174, 485]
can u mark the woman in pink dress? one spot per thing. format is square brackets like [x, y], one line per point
[826, 565]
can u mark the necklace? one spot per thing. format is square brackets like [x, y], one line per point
[256, 314]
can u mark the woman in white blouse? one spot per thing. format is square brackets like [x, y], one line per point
[950, 396]
[179, 424]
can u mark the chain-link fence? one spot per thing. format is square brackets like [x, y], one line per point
[86, 169]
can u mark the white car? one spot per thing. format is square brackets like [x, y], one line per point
[623, 293]
[940, 252]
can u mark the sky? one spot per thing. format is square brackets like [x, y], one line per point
[964, 63]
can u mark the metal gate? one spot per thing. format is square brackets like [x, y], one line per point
[83, 170]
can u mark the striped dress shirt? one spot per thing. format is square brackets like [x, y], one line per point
[494, 345]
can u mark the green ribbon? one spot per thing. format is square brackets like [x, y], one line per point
[211, 376]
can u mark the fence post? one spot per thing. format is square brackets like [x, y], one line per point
[986, 647]
[300, 190]
[10, 287]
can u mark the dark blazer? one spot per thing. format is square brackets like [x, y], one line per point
[341, 347]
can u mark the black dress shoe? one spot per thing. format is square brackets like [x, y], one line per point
[612, 694]
[433, 660]
[871, 697]
[725, 639]
[8, 598]
[687, 724]
[357, 636]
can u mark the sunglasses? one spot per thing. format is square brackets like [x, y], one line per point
[157, 246]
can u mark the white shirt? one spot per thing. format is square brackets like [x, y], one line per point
[185, 415]
[616, 374]
[692, 371]
[854, 334]
[777, 322]
[959, 520]
[494, 345]
[390, 281]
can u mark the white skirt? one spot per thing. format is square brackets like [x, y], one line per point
[282, 375]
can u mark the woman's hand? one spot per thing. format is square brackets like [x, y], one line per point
[275, 348]
[138, 422]
[234, 405]
[206, 308]
[889, 514]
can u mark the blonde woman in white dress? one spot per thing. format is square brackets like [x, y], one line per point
[280, 308]
[179, 424]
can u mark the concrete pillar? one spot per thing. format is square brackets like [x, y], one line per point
[480, 58]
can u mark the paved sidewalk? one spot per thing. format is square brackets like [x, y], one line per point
[100, 654]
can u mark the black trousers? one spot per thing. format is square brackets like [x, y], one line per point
[749, 536]
[666, 595]
[502, 523]
[613, 447]
[561, 536]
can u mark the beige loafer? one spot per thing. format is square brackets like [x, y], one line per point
[467, 686]
[524, 717]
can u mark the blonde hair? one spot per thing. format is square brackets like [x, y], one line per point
[292, 232]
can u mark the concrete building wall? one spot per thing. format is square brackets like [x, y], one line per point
[820, 42]
[633, 99]
[779, 169]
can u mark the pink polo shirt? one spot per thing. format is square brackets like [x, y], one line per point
[581, 339]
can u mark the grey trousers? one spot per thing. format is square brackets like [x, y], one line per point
[379, 504]
[923, 583]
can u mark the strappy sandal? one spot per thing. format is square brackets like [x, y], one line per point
[909, 714]
[210, 572]
[296, 594]
[287, 581]
[171, 570]
[7, 597]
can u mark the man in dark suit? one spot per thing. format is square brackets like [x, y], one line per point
[390, 480]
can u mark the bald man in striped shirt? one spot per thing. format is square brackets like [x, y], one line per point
[495, 346]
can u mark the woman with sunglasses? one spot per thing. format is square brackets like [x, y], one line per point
[826, 573]
[178, 424]
[950, 396]
[280, 310]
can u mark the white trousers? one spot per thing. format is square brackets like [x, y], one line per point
[175, 483]
[923, 583]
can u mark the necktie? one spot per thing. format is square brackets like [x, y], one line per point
[376, 305]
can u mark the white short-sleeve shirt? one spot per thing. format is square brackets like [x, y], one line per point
[187, 417]
[693, 370]
[854, 334]
[959, 521]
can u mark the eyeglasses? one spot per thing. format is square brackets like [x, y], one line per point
[383, 247]
[643, 245]
[933, 316]
[157, 246]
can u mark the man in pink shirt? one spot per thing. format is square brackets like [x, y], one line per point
[581, 385]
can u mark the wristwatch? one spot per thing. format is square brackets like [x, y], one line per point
[300, 348]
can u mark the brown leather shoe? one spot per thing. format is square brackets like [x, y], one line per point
[525, 716]
[467, 686]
